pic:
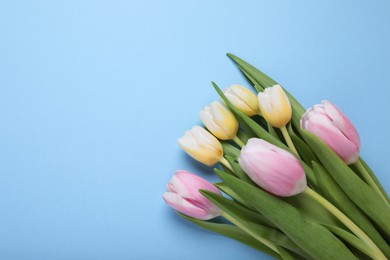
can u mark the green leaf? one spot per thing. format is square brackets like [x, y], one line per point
[311, 179]
[303, 149]
[256, 86]
[255, 74]
[356, 189]
[350, 238]
[272, 131]
[373, 177]
[244, 137]
[232, 232]
[251, 215]
[313, 238]
[230, 150]
[241, 217]
[237, 170]
[312, 209]
[227, 190]
[333, 193]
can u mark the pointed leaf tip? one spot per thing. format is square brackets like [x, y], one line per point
[230, 55]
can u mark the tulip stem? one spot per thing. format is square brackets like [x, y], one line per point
[289, 142]
[369, 180]
[225, 163]
[243, 227]
[375, 253]
[238, 141]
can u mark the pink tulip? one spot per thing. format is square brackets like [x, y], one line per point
[272, 168]
[333, 127]
[183, 195]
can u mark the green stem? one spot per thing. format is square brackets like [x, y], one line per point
[226, 163]
[288, 140]
[369, 180]
[262, 240]
[238, 141]
[376, 253]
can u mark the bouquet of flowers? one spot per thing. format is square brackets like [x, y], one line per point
[292, 182]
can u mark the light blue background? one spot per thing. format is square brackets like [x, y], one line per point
[94, 94]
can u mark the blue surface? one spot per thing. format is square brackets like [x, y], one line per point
[94, 94]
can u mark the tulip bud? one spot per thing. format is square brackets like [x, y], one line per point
[327, 122]
[183, 195]
[201, 145]
[275, 106]
[272, 168]
[243, 99]
[219, 121]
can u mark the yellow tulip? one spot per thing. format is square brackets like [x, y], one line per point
[201, 145]
[243, 99]
[219, 121]
[275, 106]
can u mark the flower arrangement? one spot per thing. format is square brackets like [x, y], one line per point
[294, 185]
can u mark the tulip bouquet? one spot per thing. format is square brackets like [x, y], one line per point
[292, 182]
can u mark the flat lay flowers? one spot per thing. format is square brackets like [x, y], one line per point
[292, 182]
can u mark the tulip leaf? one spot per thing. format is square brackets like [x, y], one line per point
[230, 150]
[350, 238]
[256, 85]
[238, 171]
[303, 149]
[233, 232]
[227, 170]
[312, 209]
[356, 189]
[334, 194]
[239, 214]
[228, 191]
[272, 131]
[256, 76]
[244, 137]
[251, 215]
[373, 177]
[313, 238]
[309, 174]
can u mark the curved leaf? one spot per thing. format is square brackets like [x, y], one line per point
[234, 233]
[350, 238]
[242, 217]
[356, 189]
[313, 238]
[332, 192]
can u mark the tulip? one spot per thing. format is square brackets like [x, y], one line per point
[201, 145]
[275, 106]
[183, 195]
[243, 99]
[219, 121]
[272, 168]
[327, 122]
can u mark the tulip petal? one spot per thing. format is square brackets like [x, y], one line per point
[184, 206]
[322, 127]
[272, 168]
[187, 185]
[328, 123]
[204, 138]
[246, 98]
[342, 122]
[207, 118]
